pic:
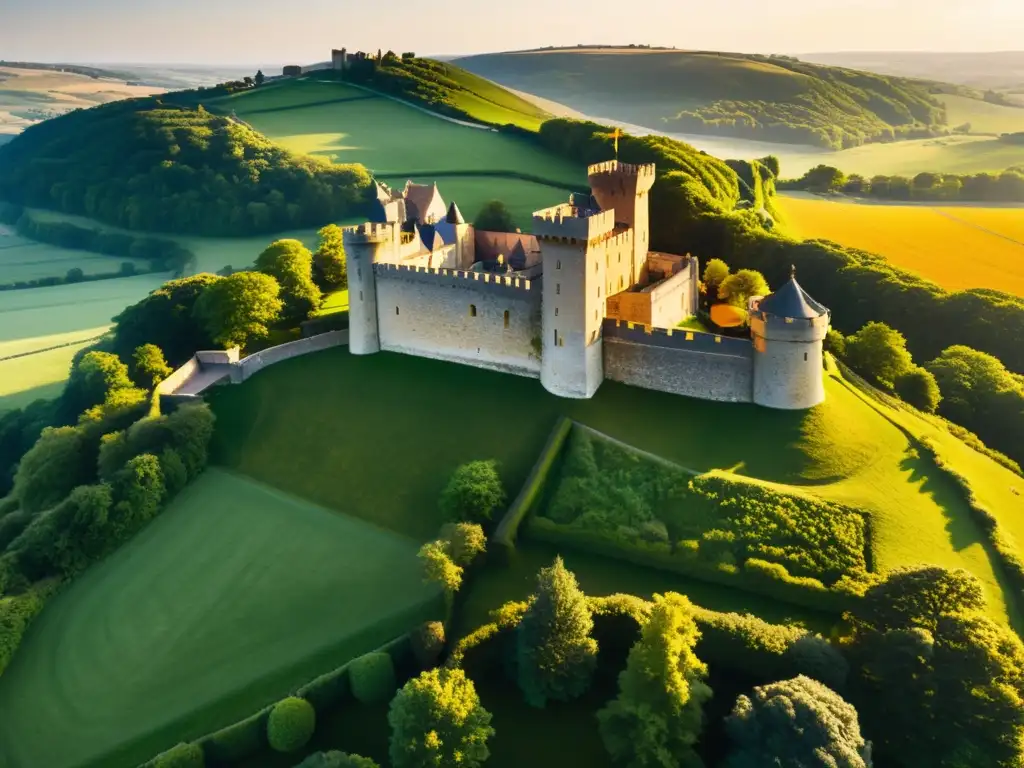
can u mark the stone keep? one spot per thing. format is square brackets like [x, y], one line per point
[365, 245]
[788, 330]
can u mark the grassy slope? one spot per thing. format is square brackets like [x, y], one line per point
[409, 422]
[490, 103]
[983, 116]
[931, 241]
[22, 259]
[231, 598]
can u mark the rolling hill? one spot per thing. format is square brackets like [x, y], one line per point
[747, 96]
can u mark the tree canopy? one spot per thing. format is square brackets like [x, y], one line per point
[737, 288]
[330, 268]
[879, 353]
[474, 492]
[494, 217]
[238, 309]
[291, 264]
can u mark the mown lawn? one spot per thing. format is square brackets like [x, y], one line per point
[23, 260]
[934, 242]
[378, 436]
[235, 595]
[350, 125]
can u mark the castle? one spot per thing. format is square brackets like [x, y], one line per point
[580, 299]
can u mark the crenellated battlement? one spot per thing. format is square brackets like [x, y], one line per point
[467, 278]
[625, 169]
[369, 232]
[677, 338]
[568, 223]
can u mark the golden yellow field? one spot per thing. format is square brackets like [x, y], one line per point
[956, 246]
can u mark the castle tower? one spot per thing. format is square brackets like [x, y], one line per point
[365, 246]
[573, 300]
[465, 242]
[788, 329]
[624, 188]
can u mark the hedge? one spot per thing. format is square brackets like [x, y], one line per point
[372, 678]
[291, 724]
[532, 491]
[16, 613]
[756, 575]
[237, 741]
[181, 756]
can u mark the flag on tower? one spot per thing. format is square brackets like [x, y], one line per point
[618, 131]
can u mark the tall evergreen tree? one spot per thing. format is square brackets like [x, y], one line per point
[656, 718]
[555, 653]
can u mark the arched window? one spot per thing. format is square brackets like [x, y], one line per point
[506, 318]
[472, 310]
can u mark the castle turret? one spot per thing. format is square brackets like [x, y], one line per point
[788, 329]
[465, 241]
[365, 246]
[624, 188]
[573, 243]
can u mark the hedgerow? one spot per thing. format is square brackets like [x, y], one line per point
[372, 677]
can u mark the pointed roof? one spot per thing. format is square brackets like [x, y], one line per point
[792, 301]
[423, 201]
[454, 215]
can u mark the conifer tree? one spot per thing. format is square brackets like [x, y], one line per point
[555, 653]
[656, 718]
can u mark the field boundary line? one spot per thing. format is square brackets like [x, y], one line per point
[50, 349]
[466, 123]
[971, 224]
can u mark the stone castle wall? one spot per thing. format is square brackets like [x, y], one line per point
[680, 362]
[460, 317]
[254, 363]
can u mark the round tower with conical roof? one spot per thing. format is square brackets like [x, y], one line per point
[788, 329]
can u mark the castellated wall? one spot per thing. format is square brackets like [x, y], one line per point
[460, 317]
[681, 363]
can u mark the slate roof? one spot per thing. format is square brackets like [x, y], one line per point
[792, 301]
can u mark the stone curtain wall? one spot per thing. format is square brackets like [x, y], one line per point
[257, 362]
[671, 300]
[179, 377]
[699, 367]
[428, 314]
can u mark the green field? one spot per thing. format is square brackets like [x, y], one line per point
[37, 375]
[983, 116]
[426, 417]
[23, 260]
[228, 601]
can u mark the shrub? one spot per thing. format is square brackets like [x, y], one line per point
[372, 677]
[149, 367]
[878, 353]
[796, 722]
[181, 756]
[555, 654]
[439, 568]
[816, 658]
[919, 388]
[466, 541]
[428, 643]
[16, 613]
[334, 759]
[437, 720]
[291, 724]
[746, 643]
[473, 493]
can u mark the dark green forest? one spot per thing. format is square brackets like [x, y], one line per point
[1007, 186]
[150, 164]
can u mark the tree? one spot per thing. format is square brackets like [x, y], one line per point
[835, 343]
[335, 759]
[330, 270]
[260, 77]
[236, 310]
[715, 273]
[166, 319]
[494, 217]
[796, 722]
[879, 353]
[937, 682]
[436, 720]
[466, 542]
[439, 568]
[291, 724]
[149, 367]
[656, 718]
[473, 493]
[856, 186]
[555, 654]
[291, 264]
[57, 463]
[917, 597]
[918, 387]
[739, 287]
[74, 275]
[93, 379]
[823, 178]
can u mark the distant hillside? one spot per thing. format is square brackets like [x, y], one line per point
[774, 98]
[152, 164]
[1001, 70]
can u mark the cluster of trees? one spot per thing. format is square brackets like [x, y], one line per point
[968, 387]
[838, 108]
[494, 217]
[164, 255]
[150, 164]
[733, 288]
[1007, 186]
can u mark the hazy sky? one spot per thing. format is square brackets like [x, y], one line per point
[304, 31]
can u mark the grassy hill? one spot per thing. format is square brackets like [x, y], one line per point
[754, 97]
[382, 451]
